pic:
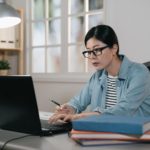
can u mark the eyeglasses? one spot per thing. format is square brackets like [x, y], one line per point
[96, 52]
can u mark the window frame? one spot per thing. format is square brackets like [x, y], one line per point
[64, 75]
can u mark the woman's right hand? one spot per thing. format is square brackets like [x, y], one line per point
[64, 109]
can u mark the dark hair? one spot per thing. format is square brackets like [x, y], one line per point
[103, 33]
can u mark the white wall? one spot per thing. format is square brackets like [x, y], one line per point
[60, 92]
[130, 19]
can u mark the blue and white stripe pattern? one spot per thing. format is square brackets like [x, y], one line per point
[111, 93]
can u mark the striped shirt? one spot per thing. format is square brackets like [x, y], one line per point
[111, 93]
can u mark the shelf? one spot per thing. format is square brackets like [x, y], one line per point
[11, 40]
[10, 49]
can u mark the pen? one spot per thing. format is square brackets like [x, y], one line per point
[55, 102]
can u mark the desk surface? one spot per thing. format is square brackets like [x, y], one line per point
[56, 142]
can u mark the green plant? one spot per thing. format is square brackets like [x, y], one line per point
[4, 64]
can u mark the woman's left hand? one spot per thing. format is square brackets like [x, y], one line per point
[69, 117]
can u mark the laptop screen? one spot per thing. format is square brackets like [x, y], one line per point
[18, 106]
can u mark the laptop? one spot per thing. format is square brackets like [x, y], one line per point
[19, 110]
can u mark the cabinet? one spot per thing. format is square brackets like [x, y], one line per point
[12, 45]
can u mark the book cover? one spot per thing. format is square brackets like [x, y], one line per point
[88, 142]
[91, 135]
[110, 123]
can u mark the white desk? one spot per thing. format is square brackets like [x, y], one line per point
[57, 142]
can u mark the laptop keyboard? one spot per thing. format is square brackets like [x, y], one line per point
[56, 128]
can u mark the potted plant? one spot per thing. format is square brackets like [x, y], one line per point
[4, 67]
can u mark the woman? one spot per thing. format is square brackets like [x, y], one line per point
[119, 86]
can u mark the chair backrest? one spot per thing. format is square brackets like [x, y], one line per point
[147, 64]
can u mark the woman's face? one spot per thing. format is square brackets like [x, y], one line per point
[104, 60]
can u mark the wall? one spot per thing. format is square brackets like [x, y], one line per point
[130, 19]
[60, 92]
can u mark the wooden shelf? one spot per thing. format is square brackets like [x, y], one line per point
[18, 48]
[10, 49]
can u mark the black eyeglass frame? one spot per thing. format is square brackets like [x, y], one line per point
[94, 51]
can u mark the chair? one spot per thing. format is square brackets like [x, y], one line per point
[147, 64]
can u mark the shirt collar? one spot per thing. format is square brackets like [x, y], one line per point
[124, 68]
[123, 71]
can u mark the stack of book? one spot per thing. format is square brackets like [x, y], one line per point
[110, 130]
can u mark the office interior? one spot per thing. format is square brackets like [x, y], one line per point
[130, 20]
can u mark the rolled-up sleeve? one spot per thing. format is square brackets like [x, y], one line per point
[81, 101]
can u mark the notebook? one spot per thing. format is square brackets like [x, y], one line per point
[19, 110]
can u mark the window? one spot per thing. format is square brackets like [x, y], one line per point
[57, 30]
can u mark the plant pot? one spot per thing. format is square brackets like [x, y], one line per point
[4, 72]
